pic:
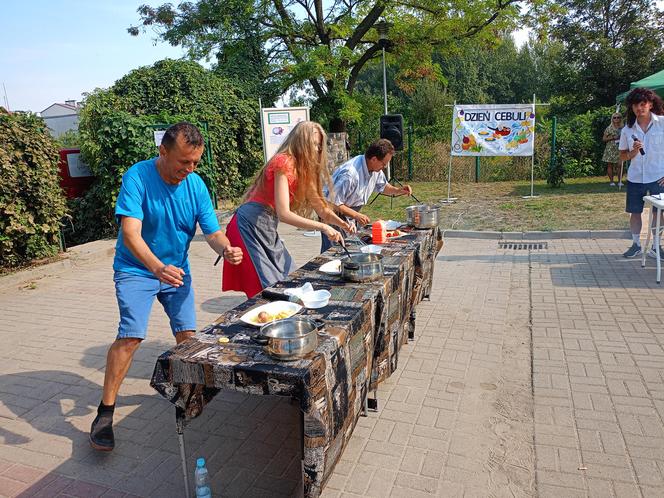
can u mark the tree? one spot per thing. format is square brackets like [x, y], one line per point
[322, 47]
[607, 44]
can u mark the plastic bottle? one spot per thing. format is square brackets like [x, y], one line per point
[378, 232]
[202, 480]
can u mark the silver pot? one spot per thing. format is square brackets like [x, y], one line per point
[290, 338]
[423, 215]
[362, 267]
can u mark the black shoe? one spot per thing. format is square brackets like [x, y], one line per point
[101, 433]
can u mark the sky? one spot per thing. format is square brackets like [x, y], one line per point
[55, 50]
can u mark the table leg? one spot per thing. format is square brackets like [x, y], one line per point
[645, 247]
[659, 263]
[179, 424]
[372, 403]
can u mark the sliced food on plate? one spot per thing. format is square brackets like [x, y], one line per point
[270, 312]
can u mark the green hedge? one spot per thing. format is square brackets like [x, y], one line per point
[115, 133]
[32, 204]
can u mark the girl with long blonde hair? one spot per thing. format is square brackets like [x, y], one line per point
[289, 188]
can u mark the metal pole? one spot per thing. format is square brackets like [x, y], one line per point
[179, 425]
[477, 169]
[532, 164]
[410, 151]
[554, 126]
[384, 82]
[449, 200]
[385, 103]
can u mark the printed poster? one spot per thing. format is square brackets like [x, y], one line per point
[493, 130]
[277, 124]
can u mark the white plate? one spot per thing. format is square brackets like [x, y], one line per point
[251, 316]
[331, 267]
[371, 249]
[392, 225]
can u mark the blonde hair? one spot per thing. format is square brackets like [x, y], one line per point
[309, 163]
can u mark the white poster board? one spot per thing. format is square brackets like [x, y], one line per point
[77, 168]
[493, 130]
[158, 136]
[277, 123]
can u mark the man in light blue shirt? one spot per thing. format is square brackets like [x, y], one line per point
[355, 180]
[160, 203]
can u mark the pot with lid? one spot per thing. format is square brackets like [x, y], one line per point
[423, 215]
[362, 267]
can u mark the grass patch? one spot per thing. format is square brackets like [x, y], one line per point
[580, 204]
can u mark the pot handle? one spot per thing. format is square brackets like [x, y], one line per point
[260, 339]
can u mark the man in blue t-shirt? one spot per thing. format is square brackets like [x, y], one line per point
[160, 202]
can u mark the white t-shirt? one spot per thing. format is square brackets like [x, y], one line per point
[649, 167]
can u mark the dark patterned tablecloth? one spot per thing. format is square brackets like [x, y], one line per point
[364, 326]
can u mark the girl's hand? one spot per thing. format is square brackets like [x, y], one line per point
[332, 234]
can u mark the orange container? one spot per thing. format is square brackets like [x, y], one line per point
[378, 232]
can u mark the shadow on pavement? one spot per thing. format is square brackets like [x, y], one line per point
[251, 443]
[222, 303]
[576, 270]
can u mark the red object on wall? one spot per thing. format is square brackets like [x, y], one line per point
[75, 176]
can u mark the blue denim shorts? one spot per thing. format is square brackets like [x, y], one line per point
[635, 192]
[136, 293]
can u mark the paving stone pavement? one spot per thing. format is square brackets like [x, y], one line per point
[533, 373]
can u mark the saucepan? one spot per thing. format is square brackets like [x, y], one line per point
[423, 215]
[362, 267]
[290, 338]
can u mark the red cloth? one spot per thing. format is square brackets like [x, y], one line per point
[242, 277]
[284, 164]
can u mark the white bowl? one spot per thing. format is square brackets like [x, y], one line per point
[371, 249]
[316, 299]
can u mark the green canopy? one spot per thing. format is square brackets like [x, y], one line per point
[655, 82]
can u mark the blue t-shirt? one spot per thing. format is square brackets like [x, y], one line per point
[169, 214]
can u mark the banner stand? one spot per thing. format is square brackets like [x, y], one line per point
[532, 166]
[449, 200]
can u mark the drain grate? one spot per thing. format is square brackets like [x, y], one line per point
[522, 246]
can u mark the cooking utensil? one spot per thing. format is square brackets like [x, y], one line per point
[362, 267]
[290, 338]
[343, 246]
[272, 295]
[423, 215]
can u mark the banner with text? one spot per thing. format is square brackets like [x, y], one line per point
[277, 124]
[493, 130]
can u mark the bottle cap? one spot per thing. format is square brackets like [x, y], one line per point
[200, 462]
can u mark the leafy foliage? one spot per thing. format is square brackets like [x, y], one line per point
[607, 44]
[321, 47]
[579, 143]
[116, 133]
[32, 203]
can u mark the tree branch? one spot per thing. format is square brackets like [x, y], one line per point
[501, 5]
[357, 67]
[365, 25]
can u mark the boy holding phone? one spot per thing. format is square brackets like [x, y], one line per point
[642, 143]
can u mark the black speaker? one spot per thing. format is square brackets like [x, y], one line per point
[391, 127]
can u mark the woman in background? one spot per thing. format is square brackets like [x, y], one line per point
[288, 188]
[611, 155]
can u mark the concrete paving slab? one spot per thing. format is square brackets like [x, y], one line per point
[537, 372]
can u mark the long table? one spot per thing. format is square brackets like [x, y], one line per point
[363, 328]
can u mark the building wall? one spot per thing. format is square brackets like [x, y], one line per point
[60, 124]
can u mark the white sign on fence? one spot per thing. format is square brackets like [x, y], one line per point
[277, 123]
[493, 130]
